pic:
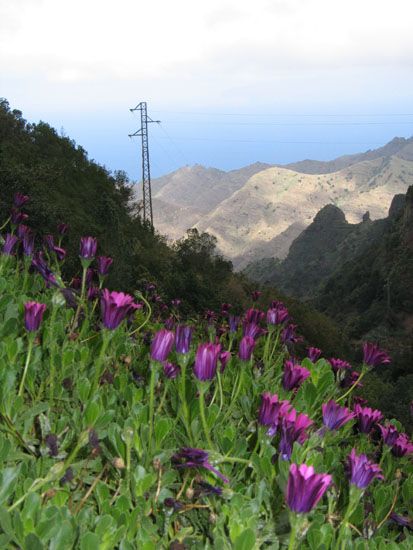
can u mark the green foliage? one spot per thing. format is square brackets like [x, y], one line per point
[64, 185]
[82, 468]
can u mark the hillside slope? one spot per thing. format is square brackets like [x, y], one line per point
[258, 211]
[274, 199]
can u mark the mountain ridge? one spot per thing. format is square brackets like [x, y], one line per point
[257, 211]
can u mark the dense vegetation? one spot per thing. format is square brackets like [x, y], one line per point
[66, 186]
[124, 426]
[362, 277]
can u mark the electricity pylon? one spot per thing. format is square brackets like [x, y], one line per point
[146, 171]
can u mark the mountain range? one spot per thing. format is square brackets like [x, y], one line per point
[258, 211]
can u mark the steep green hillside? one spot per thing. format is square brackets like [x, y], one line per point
[64, 185]
[360, 275]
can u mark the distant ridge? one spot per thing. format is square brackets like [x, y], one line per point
[401, 147]
[257, 211]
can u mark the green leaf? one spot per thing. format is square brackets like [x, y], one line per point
[245, 541]
[7, 478]
[32, 542]
[89, 541]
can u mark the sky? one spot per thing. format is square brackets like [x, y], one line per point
[232, 81]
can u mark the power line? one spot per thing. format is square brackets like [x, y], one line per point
[275, 142]
[343, 115]
[367, 123]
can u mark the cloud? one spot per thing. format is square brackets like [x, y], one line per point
[197, 52]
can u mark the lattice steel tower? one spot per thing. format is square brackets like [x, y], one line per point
[146, 171]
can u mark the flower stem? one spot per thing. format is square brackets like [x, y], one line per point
[182, 391]
[293, 534]
[52, 352]
[81, 299]
[202, 413]
[98, 365]
[141, 297]
[152, 383]
[26, 366]
[363, 372]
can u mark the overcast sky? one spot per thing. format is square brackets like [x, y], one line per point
[233, 81]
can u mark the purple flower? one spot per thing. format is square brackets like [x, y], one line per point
[294, 375]
[48, 240]
[161, 345]
[233, 323]
[271, 410]
[389, 434]
[60, 253]
[293, 428]
[33, 315]
[176, 302]
[313, 354]
[225, 309]
[277, 315]
[28, 242]
[246, 348]
[255, 295]
[339, 364]
[373, 355]
[92, 293]
[305, 488]
[88, 247]
[206, 361]
[62, 229]
[22, 230]
[104, 263]
[402, 446]
[404, 521]
[251, 329]
[334, 416]
[170, 370]
[39, 263]
[195, 458]
[76, 283]
[224, 358]
[183, 337]
[89, 276]
[208, 489]
[361, 471]
[169, 323]
[115, 306]
[9, 244]
[254, 316]
[150, 287]
[210, 316]
[367, 418]
[288, 335]
[17, 217]
[20, 200]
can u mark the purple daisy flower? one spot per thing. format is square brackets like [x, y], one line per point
[206, 361]
[313, 354]
[335, 416]
[33, 315]
[162, 344]
[189, 457]
[115, 307]
[367, 418]
[305, 488]
[294, 375]
[246, 348]
[373, 355]
[361, 471]
[402, 446]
